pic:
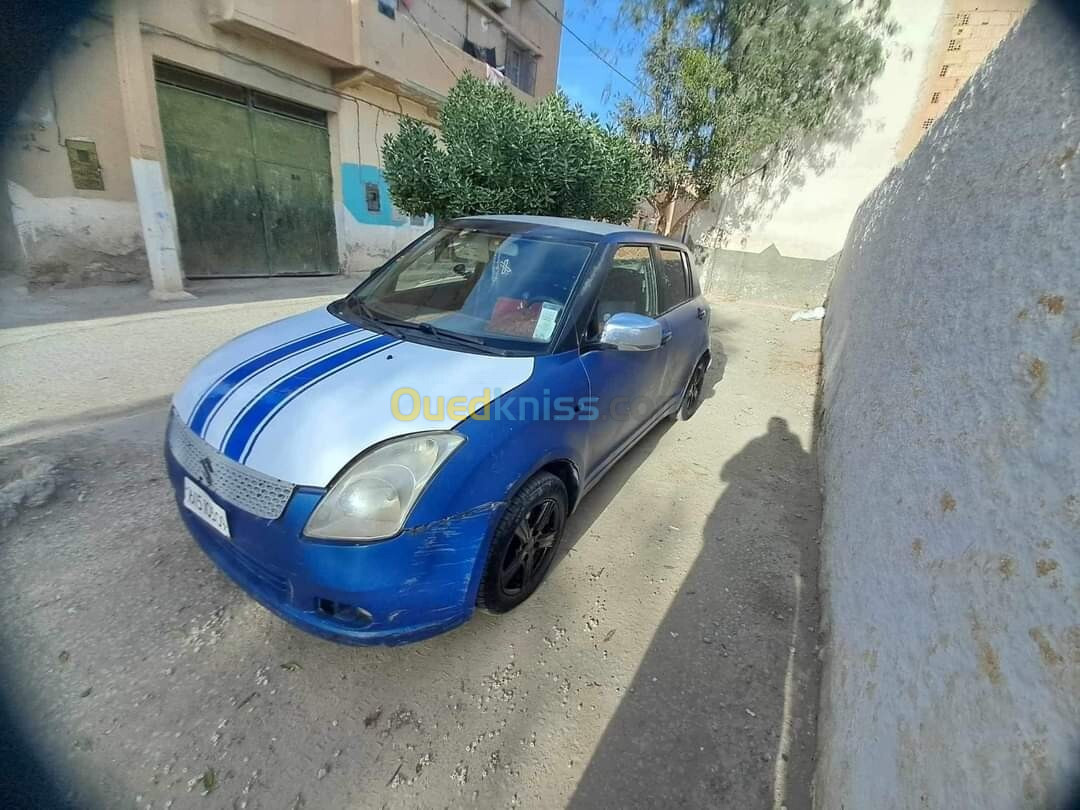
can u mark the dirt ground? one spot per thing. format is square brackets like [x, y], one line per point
[669, 659]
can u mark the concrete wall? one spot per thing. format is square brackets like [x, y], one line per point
[366, 239]
[951, 455]
[91, 233]
[768, 276]
[321, 28]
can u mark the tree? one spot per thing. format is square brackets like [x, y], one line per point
[734, 86]
[494, 154]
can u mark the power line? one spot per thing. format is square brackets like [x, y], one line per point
[588, 47]
[440, 15]
[430, 43]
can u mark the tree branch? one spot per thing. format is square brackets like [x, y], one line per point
[679, 220]
[748, 175]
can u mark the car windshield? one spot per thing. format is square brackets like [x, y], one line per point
[494, 290]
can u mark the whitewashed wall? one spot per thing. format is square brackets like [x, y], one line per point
[951, 455]
[101, 238]
[807, 212]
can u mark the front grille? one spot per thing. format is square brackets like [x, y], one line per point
[261, 495]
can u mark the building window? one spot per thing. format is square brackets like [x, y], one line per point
[965, 19]
[520, 67]
[371, 197]
[954, 45]
[485, 55]
[944, 70]
[926, 124]
[935, 98]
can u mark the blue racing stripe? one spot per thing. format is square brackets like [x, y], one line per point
[216, 394]
[253, 400]
[288, 342]
[250, 422]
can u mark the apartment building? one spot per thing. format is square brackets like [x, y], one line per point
[182, 139]
[966, 33]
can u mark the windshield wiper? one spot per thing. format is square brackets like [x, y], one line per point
[469, 340]
[394, 326]
[385, 323]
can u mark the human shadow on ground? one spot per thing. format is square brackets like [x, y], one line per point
[701, 724]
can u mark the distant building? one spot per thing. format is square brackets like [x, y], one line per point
[205, 138]
[965, 35]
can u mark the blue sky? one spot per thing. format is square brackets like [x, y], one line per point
[583, 77]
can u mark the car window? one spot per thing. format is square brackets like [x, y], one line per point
[672, 282]
[508, 289]
[463, 257]
[629, 285]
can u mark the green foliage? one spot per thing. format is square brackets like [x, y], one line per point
[732, 85]
[495, 154]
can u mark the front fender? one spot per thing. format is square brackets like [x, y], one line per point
[506, 449]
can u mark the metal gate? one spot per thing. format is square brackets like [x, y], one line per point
[250, 177]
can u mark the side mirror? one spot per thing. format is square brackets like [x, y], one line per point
[630, 332]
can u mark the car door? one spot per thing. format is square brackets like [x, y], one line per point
[683, 315]
[626, 386]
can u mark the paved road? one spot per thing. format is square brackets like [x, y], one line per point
[67, 373]
[670, 658]
[20, 307]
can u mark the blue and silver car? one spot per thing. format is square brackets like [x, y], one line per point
[374, 470]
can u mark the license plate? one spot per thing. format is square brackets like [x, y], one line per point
[196, 499]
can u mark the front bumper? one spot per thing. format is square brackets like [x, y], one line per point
[417, 585]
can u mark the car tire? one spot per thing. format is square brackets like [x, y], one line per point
[525, 543]
[691, 399]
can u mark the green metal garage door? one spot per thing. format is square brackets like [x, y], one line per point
[250, 177]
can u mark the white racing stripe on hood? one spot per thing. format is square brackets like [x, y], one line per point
[314, 435]
[211, 369]
[241, 397]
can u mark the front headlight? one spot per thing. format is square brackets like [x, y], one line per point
[371, 500]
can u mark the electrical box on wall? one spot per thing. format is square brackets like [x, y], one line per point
[85, 167]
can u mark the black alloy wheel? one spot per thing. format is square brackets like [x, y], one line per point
[525, 543]
[692, 396]
[533, 540]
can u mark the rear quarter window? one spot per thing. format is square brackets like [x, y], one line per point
[672, 279]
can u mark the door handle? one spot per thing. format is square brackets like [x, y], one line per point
[701, 313]
[665, 337]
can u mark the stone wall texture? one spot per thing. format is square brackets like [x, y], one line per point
[950, 455]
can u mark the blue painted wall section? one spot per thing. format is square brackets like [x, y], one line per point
[354, 180]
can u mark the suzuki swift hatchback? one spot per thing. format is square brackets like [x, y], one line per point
[373, 470]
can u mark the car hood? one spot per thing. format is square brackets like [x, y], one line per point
[299, 398]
